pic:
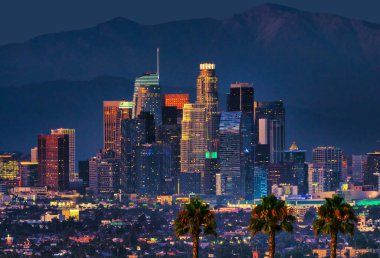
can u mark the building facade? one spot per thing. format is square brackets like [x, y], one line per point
[236, 153]
[71, 134]
[114, 112]
[240, 97]
[330, 158]
[53, 161]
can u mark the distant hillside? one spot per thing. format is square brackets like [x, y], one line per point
[325, 67]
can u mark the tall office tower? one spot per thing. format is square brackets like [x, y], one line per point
[270, 128]
[262, 155]
[193, 138]
[207, 94]
[53, 161]
[170, 115]
[275, 171]
[371, 175]
[29, 173]
[104, 173]
[331, 160]
[145, 128]
[71, 134]
[9, 166]
[235, 153]
[260, 187]
[113, 113]
[147, 97]
[240, 97]
[34, 154]
[211, 170]
[140, 130]
[149, 169]
[344, 175]
[316, 178]
[359, 165]
[170, 134]
[84, 172]
[296, 168]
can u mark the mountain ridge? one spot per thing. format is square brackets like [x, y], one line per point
[323, 64]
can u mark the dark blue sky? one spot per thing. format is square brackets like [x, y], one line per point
[22, 20]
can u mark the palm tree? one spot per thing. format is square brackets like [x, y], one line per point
[334, 216]
[269, 217]
[194, 219]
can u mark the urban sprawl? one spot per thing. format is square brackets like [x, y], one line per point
[162, 153]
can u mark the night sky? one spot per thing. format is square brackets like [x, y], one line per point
[22, 20]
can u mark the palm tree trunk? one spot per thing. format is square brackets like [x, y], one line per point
[334, 238]
[272, 244]
[195, 246]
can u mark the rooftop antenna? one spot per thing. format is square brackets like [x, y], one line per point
[158, 62]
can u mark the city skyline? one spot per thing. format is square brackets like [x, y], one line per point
[252, 133]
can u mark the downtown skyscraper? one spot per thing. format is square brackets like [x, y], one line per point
[207, 95]
[236, 153]
[330, 159]
[53, 161]
[147, 97]
[193, 138]
[240, 97]
[114, 112]
[270, 130]
[71, 134]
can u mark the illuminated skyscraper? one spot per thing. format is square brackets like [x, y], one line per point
[174, 102]
[193, 139]
[29, 173]
[296, 169]
[104, 173]
[207, 94]
[113, 113]
[330, 158]
[34, 154]
[372, 173]
[260, 187]
[53, 161]
[147, 97]
[359, 165]
[316, 178]
[135, 132]
[177, 100]
[270, 129]
[240, 97]
[235, 153]
[71, 134]
[9, 166]
[211, 170]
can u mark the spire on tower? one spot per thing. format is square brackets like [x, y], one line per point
[158, 62]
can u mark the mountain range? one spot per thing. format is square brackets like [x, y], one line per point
[325, 68]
